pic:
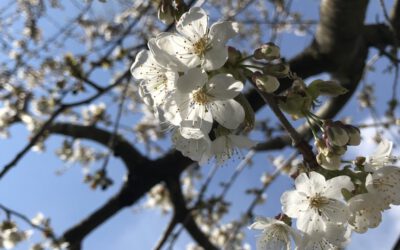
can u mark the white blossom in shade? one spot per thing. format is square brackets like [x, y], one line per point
[196, 149]
[158, 196]
[385, 183]
[365, 212]
[13, 236]
[275, 235]
[228, 146]
[196, 44]
[381, 157]
[316, 202]
[157, 79]
[200, 101]
[335, 237]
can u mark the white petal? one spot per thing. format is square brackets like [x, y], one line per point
[193, 24]
[179, 49]
[384, 149]
[317, 182]
[337, 235]
[169, 111]
[311, 223]
[334, 186]
[302, 184]
[272, 242]
[194, 79]
[194, 149]
[229, 113]
[195, 121]
[160, 55]
[261, 223]
[224, 86]
[215, 58]
[221, 32]
[144, 66]
[335, 211]
[294, 203]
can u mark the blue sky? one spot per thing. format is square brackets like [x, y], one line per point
[33, 186]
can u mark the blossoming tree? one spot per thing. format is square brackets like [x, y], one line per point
[191, 80]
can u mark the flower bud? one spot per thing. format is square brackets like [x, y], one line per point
[335, 133]
[354, 134]
[266, 83]
[296, 105]
[328, 88]
[329, 162]
[166, 12]
[279, 70]
[360, 160]
[268, 51]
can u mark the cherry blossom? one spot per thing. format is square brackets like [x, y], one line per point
[195, 149]
[196, 44]
[157, 79]
[385, 183]
[275, 234]
[366, 212]
[381, 157]
[200, 101]
[316, 202]
[335, 237]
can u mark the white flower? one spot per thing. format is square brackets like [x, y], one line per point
[385, 183]
[365, 212]
[381, 157]
[335, 237]
[39, 219]
[12, 236]
[201, 100]
[316, 202]
[227, 146]
[196, 149]
[158, 80]
[275, 234]
[197, 44]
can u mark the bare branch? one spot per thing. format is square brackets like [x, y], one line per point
[184, 216]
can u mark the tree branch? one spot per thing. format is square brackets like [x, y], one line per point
[184, 216]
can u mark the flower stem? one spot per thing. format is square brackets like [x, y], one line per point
[302, 146]
[245, 58]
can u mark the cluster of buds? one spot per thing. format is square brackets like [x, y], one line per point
[10, 235]
[267, 80]
[94, 113]
[335, 139]
[99, 179]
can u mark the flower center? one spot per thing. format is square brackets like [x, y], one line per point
[318, 201]
[201, 46]
[200, 97]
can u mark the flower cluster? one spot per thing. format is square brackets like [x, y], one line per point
[181, 80]
[328, 210]
[10, 235]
